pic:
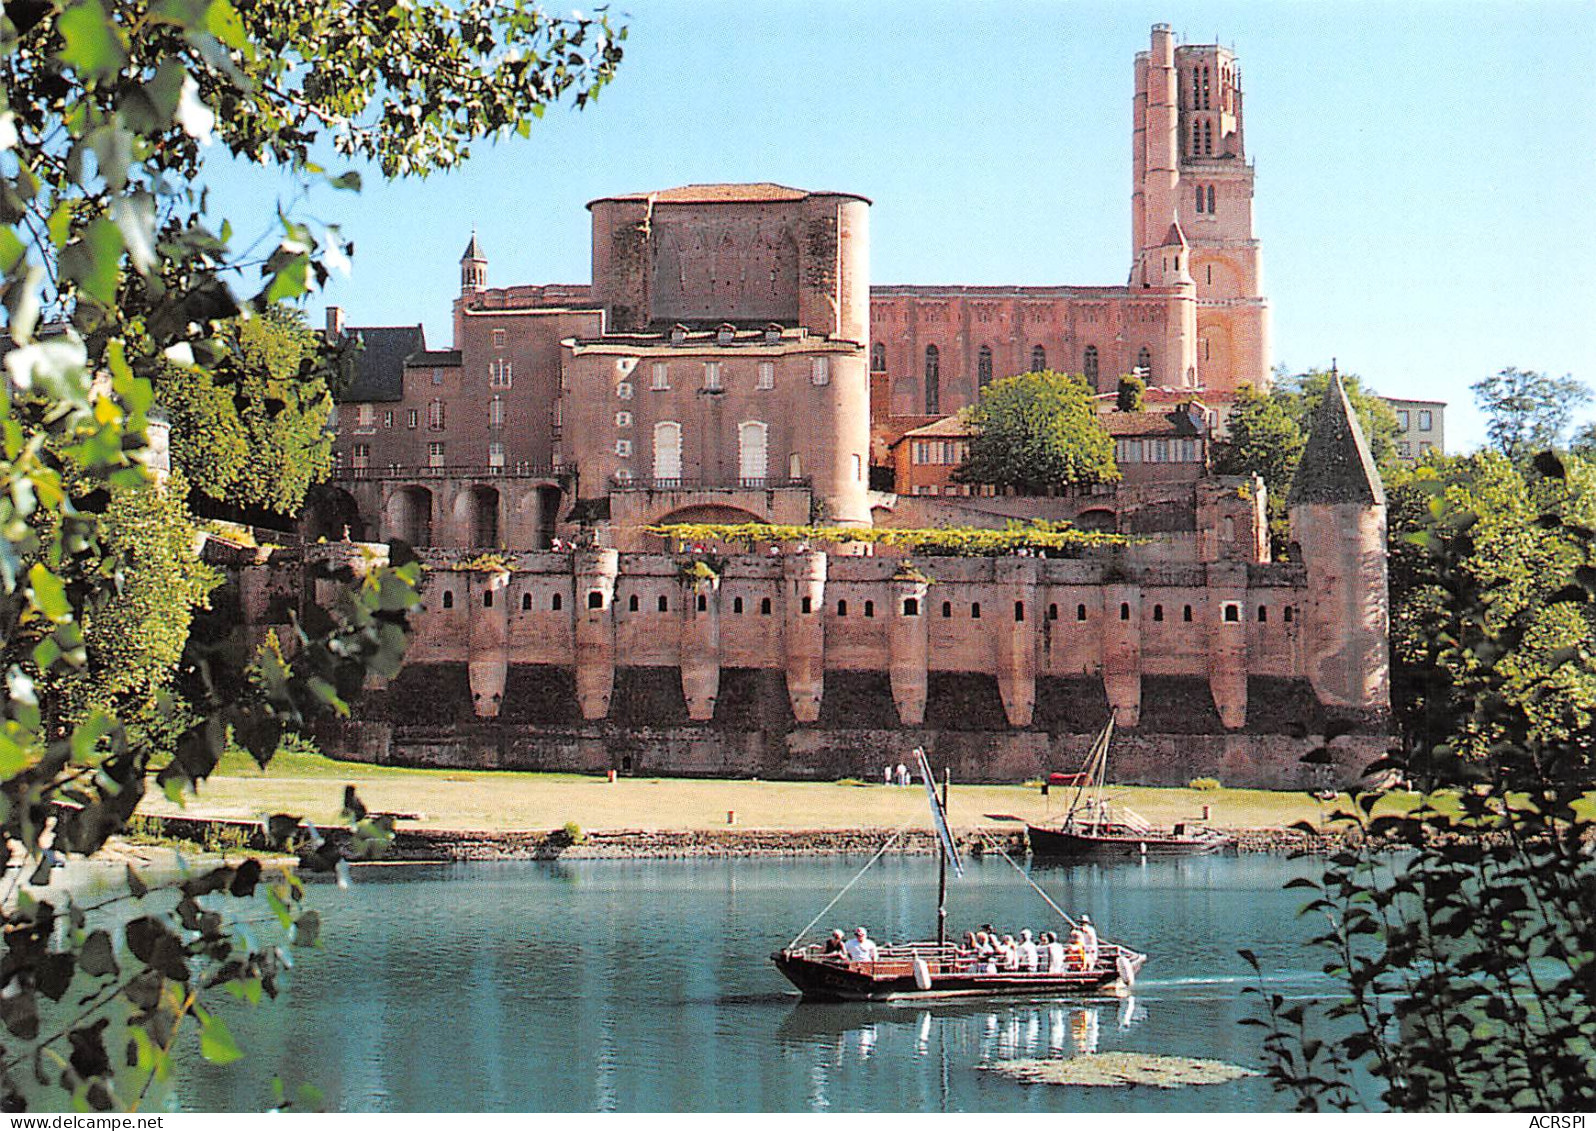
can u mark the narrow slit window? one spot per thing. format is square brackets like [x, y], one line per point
[1263, 614]
[1080, 612]
[737, 606]
[870, 608]
[1019, 612]
[842, 608]
[633, 604]
[1185, 614]
[975, 610]
[595, 600]
[664, 604]
[947, 609]
[448, 599]
[554, 602]
[487, 599]
[703, 603]
[1052, 612]
[1124, 610]
[764, 606]
[808, 605]
[526, 602]
[1158, 612]
[1288, 614]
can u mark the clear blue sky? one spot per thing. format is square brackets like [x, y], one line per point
[1425, 170]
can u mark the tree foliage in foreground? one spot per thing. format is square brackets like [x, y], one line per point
[1035, 432]
[105, 237]
[1468, 962]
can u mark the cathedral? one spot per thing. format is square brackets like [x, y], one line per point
[730, 360]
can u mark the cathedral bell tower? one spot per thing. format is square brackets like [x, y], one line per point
[1190, 169]
[473, 267]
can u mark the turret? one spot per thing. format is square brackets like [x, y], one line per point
[1337, 507]
[473, 267]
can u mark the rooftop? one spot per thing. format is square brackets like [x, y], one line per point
[755, 193]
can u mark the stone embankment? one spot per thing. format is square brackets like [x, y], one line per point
[444, 845]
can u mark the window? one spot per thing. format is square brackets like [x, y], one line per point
[1038, 359]
[933, 381]
[808, 606]
[361, 456]
[437, 376]
[1019, 612]
[487, 599]
[1052, 612]
[911, 606]
[842, 608]
[1080, 612]
[767, 375]
[975, 611]
[737, 605]
[1089, 365]
[1200, 199]
[983, 367]
[1232, 613]
[1210, 212]
[1263, 614]
[1158, 612]
[623, 448]
[1185, 614]
[1288, 614]
[667, 450]
[623, 420]
[448, 599]
[751, 455]
[703, 603]
[820, 371]
[526, 602]
[1124, 610]
[870, 608]
[496, 413]
[1426, 420]
[365, 416]
[1208, 137]
[664, 604]
[632, 603]
[659, 375]
[878, 357]
[499, 337]
[435, 454]
[499, 373]
[712, 376]
[1404, 419]
[623, 390]
[764, 606]
[435, 415]
[795, 467]
[555, 602]
[412, 417]
[858, 468]
[1144, 362]
[595, 599]
[1404, 448]
[387, 418]
[1424, 447]
[496, 453]
[947, 609]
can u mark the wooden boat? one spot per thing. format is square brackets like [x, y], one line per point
[1092, 829]
[941, 970]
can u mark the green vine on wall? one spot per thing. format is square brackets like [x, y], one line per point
[1059, 538]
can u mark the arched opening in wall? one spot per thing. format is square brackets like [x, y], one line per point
[933, 381]
[448, 599]
[1038, 359]
[1232, 612]
[752, 457]
[331, 513]
[878, 357]
[413, 520]
[737, 606]
[595, 599]
[842, 607]
[484, 529]
[1052, 612]
[712, 514]
[548, 503]
[667, 453]
[947, 609]
[1098, 519]
[526, 602]
[870, 608]
[554, 603]
[911, 607]
[632, 603]
[983, 367]
[1089, 365]
[905, 397]
[1158, 612]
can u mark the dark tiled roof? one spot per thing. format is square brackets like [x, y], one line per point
[1336, 466]
[1148, 424]
[441, 358]
[380, 364]
[473, 249]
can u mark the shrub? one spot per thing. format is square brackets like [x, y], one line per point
[1204, 784]
[572, 833]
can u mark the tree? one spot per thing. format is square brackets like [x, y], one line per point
[250, 430]
[1467, 962]
[1132, 390]
[1526, 411]
[1583, 442]
[1035, 432]
[105, 106]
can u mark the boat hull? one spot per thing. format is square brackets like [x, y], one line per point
[828, 979]
[1075, 845]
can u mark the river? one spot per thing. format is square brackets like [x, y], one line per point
[645, 985]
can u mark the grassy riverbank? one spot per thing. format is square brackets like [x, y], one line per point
[504, 801]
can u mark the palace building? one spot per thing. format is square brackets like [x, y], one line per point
[730, 360]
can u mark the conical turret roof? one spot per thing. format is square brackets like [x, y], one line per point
[1336, 465]
[473, 249]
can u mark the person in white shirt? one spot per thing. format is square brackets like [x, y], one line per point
[1055, 954]
[1008, 954]
[1089, 938]
[860, 948]
[1027, 952]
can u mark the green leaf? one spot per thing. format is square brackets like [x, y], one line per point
[216, 1040]
[349, 181]
[49, 594]
[95, 47]
[288, 279]
[96, 956]
[92, 261]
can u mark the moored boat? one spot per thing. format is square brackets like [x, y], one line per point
[939, 969]
[1092, 829]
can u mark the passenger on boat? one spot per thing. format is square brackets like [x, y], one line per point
[1077, 950]
[861, 948]
[1089, 939]
[1027, 952]
[1009, 953]
[967, 958]
[835, 944]
[985, 953]
[1055, 954]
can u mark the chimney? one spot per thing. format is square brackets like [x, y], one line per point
[335, 323]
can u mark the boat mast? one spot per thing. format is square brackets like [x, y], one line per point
[942, 870]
